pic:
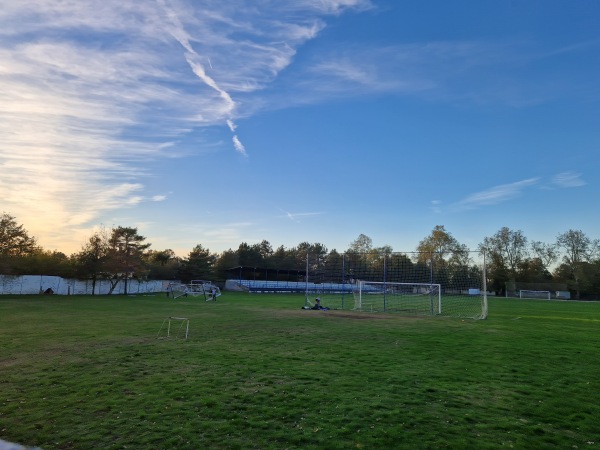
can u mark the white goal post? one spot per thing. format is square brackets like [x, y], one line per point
[380, 296]
[419, 299]
[525, 293]
[179, 332]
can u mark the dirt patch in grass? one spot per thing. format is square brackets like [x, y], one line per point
[355, 315]
[373, 317]
[337, 314]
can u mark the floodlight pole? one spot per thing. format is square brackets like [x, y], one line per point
[384, 283]
[431, 283]
[343, 278]
[485, 299]
[306, 282]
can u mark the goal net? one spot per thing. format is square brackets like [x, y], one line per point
[196, 288]
[414, 298]
[448, 284]
[525, 293]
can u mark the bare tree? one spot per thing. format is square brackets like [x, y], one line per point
[577, 250]
[362, 244]
[546, 253]
[507, 249]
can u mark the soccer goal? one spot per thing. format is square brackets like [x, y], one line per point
[415, 298]
[419, 283]
[174, 327]
[525, 293]
[196, 288]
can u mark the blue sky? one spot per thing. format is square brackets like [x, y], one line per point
[217, 122]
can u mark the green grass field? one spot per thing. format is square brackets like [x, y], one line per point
[259, 372]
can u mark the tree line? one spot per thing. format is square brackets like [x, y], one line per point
[120, 254]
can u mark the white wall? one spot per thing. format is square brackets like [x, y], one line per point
[33, 284]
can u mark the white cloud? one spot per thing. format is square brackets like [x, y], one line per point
[232, 126]
[568, 180]
[91, 89]
[432, 69]
[333, 6]
[495, 195]
[466, 71]
[436, 206]
[239, 146]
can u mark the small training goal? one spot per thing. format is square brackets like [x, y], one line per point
[196, 288]
[525, 293]
[179, 330]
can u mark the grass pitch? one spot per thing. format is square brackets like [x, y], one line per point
[259, 372]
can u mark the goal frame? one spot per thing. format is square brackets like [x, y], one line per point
[547, 294]
[433, 289]
[180, 332]
[195, 288]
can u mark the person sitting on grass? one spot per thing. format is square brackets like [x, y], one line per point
[318, 305]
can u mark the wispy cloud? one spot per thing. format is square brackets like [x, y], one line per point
[336, 6]
[505, 192]
[239, 147]
[179, 33]
[89, 90]
[444, 70]
[436, 206]
[568, 179]
[466, 71]
[495, 195]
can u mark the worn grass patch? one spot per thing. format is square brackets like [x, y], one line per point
[259, 372]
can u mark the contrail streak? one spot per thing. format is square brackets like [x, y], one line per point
[191, 56]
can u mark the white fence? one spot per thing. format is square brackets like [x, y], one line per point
[36, 284]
